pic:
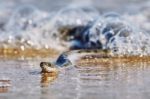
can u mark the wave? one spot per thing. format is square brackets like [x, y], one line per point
[77, 27]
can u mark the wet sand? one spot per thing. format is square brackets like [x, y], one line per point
[18, 53]
[87, 80]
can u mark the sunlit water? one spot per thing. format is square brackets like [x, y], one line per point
[108, 80]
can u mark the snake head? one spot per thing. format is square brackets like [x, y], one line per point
[48, 67]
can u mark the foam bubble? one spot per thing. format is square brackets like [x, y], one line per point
[25, 18]
[77, 27]
[118, 34]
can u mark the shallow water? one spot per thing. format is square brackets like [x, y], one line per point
[26, 34]
[126, 80]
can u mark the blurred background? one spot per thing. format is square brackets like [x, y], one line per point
[102, 5]
[21, 19]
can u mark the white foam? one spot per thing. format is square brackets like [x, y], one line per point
[31, 27]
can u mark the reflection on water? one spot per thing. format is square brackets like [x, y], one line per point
[3, 89]
[115, 80]
[106, 80]
[47, 78]
[4, 85]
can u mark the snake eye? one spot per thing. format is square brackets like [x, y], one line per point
[43, 63]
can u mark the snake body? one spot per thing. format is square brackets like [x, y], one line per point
[65, 58]
[95, 39]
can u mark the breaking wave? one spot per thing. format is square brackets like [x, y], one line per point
[76, 27]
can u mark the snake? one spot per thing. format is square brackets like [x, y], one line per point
[67, 59]
[96, 39]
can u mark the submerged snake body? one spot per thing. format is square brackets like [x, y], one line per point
[67, 58]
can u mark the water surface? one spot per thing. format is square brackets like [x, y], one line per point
[28, 28]
[108, 80]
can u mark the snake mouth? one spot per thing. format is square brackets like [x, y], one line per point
[47, 67]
